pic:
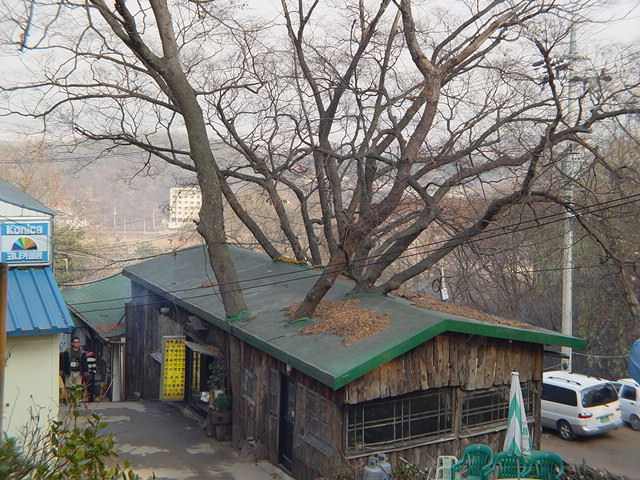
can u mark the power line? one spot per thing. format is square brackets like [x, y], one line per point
[243, 289]
[316, 274]
[472, 240]
[536, 221]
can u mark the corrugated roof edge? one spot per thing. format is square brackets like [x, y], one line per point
[36, 332]
[452, 325]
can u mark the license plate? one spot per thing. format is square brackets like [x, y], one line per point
[604, 419]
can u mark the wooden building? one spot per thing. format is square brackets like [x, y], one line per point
[424, 384]
[98, 312]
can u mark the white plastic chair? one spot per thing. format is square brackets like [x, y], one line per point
[444, 467]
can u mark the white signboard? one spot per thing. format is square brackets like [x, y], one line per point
[25, 243]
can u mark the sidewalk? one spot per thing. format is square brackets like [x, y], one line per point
[156, 438]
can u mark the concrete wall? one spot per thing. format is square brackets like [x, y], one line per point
[31, 381]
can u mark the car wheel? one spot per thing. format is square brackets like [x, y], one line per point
[634, 421]
[566, 433]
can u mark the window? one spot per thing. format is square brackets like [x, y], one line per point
[628, 393]
[553, 393]
[484, 407]
[410, 417]
[598, 395]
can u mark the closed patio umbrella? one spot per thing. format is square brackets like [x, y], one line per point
[517, 440]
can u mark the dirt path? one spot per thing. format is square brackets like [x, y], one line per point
[157, 439]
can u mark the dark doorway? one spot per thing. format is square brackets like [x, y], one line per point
[196, 387]
[287, 421]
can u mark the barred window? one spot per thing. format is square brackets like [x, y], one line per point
[485, 407]
[399, 419]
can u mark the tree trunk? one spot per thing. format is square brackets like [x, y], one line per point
[211, 225]
[337, 264]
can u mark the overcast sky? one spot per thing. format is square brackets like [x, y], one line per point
[620, 24]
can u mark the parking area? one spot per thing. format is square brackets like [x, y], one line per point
[157, 439]
[617, 451]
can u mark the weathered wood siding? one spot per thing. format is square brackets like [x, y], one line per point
[452, 360]
[464, 361]
[145, 327]
[315, 452]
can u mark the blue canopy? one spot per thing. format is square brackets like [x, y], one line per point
[634, 361]
[36, 306]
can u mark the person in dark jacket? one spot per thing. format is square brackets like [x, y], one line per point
[74, 364]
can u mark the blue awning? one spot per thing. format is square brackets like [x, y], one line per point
[36, 306]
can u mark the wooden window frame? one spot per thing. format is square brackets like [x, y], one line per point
[401, 420]
[497, 411]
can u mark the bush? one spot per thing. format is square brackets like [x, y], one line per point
[75, 448]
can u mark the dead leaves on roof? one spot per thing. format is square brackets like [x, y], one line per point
[430, 303]
[346, 319]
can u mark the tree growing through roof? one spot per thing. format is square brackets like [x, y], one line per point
[351, 110]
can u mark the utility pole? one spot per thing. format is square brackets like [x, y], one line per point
[115, 218]
[4, 307]
[568, 171]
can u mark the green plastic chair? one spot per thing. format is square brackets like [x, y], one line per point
[509, 465]
[546, 465]
[475, 459]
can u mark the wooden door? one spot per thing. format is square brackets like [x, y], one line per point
[287, 421]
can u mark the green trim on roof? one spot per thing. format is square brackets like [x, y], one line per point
[323, 357]
[511, 333]
[457, 326]
[240, 316]
[312, 371]
[389, 355]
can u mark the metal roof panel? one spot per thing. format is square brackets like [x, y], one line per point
[101, 304]
[36, 306]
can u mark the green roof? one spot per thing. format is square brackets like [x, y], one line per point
[100, 304]
[272, 286]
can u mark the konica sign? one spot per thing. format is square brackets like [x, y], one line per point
[25, 243]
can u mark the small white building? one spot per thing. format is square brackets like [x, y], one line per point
[37, 315]
[184, 206]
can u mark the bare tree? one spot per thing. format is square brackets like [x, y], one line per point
[353, 112]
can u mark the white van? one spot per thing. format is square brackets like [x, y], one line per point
[629, 391]
[577, 405]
